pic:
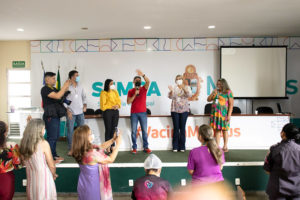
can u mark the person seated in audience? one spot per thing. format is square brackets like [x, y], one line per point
[283, 164]
[205, 162]
[94, 178]
[9, 160]
[36, 156]
[151, 186]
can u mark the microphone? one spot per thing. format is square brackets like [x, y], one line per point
[137, 88]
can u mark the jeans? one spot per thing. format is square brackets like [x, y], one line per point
[79, 119]
[111, 120]
[134, 119]
[179, 122]
[52, 126]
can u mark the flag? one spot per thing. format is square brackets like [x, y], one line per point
[44, 77]
[58, 81]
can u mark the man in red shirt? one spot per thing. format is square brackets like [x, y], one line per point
[137, 98]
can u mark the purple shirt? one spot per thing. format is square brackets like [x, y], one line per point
[206, 168]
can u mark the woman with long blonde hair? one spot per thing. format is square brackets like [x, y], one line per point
[221, 110]
[206, 162]
[94, 178]
[36, 156]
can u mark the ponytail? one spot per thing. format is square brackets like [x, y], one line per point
[206, 133]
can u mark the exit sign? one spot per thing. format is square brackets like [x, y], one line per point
[18, 64]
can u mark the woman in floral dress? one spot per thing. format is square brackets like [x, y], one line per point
[94, 179]
[9, 160]
[221, 111]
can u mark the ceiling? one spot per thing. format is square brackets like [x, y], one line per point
[63, 19]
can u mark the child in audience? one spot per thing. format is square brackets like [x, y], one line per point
[40, 168]
[151, 186]
[9, 160]
[94, 178]
[205, 162]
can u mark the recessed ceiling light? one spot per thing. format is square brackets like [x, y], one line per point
[211, 26]
[20, 29]
[147, 27]
[84, 28]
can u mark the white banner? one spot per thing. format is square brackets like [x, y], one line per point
[246, 132]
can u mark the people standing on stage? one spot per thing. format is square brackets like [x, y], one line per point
[151, 186]
[137, 98]
[94, 178]
[179, 111]
[77, 106]
[205, 162]
[9, 160]
[110, 103]
[40, 166]
[283, 165]
[53, 110]
[221, 111]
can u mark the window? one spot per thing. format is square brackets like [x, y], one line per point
[19, 89]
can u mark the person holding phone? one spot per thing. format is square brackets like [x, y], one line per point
[179, 111]
[76, 106]
[221, 110]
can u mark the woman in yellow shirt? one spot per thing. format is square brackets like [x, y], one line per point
[110, 103]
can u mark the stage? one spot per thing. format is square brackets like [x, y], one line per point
[243, 164]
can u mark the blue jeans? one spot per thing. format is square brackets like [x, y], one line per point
[79, 119]
[52, 126]
[179, 122]
[142, 118]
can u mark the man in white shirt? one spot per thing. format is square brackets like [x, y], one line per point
[77, 106]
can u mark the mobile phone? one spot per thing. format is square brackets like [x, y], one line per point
[117, 131]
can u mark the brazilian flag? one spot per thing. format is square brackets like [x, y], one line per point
[58, 81]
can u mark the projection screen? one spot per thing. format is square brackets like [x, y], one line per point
[255, 72]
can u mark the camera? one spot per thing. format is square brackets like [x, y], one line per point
[64, 98]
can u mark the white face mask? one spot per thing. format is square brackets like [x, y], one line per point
[92, 138]
[179, 82]
[112, 87]
[44, 132]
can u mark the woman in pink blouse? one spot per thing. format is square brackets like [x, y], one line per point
[179, 111]
[9, 160]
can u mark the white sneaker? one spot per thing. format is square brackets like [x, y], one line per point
[174, 150]
[182, 151]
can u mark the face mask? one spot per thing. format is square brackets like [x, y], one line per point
[112, 87]
[137, 84]
[77, 79]
[179, 82]
[44, 132]
[92, 138]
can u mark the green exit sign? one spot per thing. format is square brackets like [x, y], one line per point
[18, 64]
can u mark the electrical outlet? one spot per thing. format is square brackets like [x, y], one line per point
[237, 181]
[183, 182]
[24, 182]
[130, 181]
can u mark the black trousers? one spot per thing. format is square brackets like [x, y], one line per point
[111, 120]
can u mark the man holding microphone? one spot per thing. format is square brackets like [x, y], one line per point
[137, 98]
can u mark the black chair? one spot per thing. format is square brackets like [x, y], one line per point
[89, 111]
[236, 110]
[264, 110]
[148, 111]
[207, 108]
[98, 112]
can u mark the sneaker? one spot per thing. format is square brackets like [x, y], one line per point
[57, 162]
[148, 151]
[174, 150]
[134, 151]
[59, 158]
[182, 151]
